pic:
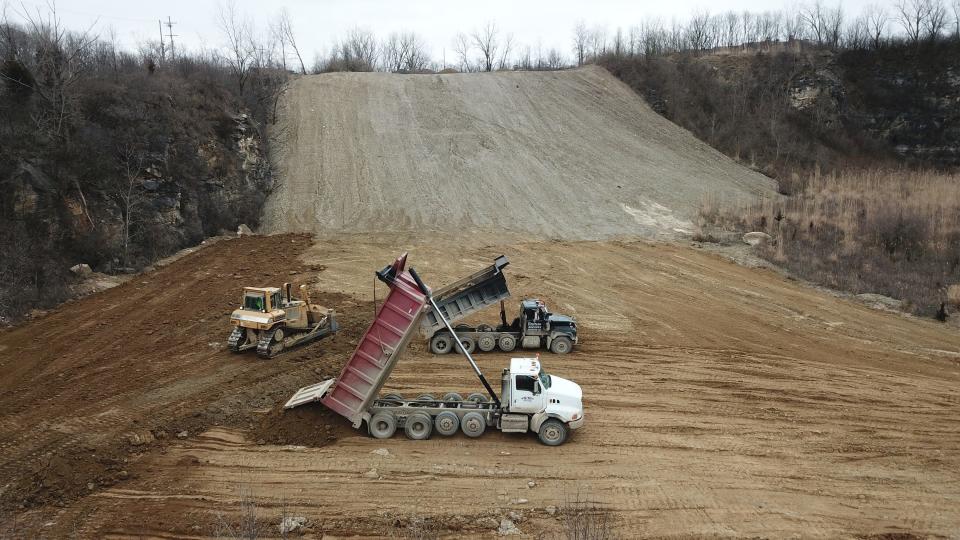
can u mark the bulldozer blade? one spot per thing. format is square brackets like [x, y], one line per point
[309, 394]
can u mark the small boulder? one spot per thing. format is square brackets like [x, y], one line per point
[183, 435]
[757, 238]
[140, 438]
[879, 301]
[371, 474]
[953, 295]
[81, 269]
[507, 528]
[381, 452]
[552, 510]
[243, 230]
[292, 524]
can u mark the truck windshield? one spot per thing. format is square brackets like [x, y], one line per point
[545, 379]
[253, 301]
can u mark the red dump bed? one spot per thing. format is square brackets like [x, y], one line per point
[381, 346]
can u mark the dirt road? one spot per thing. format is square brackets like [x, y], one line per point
[563, 154]
[720, 401]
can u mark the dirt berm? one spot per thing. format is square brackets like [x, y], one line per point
[567, 154]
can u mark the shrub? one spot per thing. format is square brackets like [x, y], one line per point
[893, 232]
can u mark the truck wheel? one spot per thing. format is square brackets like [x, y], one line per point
[446, 423]
[473, 424]
[468, 344]
[484, 328]
[553, 432]
[486, 343]
[452, 399]
[561, 345]
[383, 425]
[476, 397]
[441, 344]
[418, 426]
[507, 343]
[393, 397]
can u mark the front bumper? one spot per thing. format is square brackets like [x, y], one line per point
[575, 424]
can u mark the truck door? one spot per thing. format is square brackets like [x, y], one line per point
[526, 395]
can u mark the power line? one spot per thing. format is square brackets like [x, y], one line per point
[170, 35]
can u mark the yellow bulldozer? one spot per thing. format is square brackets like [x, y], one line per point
[273, 321]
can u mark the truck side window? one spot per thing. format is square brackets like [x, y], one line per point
[525, 382]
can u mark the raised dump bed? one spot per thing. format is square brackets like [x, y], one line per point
[364, 374]
[467, 296]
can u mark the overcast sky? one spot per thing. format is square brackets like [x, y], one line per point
[318, 22]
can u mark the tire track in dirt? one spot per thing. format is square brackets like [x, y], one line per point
[719, 414]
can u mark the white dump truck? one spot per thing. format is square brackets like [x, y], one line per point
[532, 400]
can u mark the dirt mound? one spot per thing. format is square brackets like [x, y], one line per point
[307, 425]
[571, 154]
[127, 370]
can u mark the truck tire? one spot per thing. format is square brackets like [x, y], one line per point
[446, 423]
[507, 343]
[418, 426]
[473, 424]
[426, 397]
[393, 397]
[451, 399]
[476, 397]
[486, 343]
[561, 345]
[553, 432]
[468, 344]
[441, 343]
[383, 425]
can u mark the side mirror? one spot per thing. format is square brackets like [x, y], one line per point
[536, 388]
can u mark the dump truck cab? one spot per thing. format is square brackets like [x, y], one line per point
[540, 328]
[531, 397]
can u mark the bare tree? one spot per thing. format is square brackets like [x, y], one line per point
[857, 35]
[936, 20]
[485, 40]
[237, 31]
[814, 17]
[462, 46]
[956, 19]
[128, 193]
[417, 59]
[581, 37]
[598, 41]
[876, 19]
[505, 48]
[58, 60]
[287, 37]
[834, 26]
[698, 30]
[619, 46]
[912, 16]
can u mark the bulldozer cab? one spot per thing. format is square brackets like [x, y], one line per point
[263, 300]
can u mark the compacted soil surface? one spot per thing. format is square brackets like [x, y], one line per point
[720, 401]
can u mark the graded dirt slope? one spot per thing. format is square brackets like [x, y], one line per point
[569, 154]
[720, 401]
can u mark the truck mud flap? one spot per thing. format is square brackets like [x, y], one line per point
[309, 394]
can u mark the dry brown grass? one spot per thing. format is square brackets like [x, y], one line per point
[895, 233]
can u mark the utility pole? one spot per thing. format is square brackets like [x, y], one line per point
[163, 49]
[169, 24]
